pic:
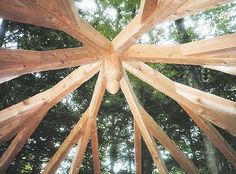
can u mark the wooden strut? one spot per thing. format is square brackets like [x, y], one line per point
[205, 109]
[217, 110]
[149, 140]
[138, 149]
[27, 112]
[81, 132]
[15, 62]
[207, 53]
[56, 14]
[166, 86]
[19, 141]
[165, 10]
[95, 149]
[156, 131]
[20, 112]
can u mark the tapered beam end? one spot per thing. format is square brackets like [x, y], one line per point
[113, 86]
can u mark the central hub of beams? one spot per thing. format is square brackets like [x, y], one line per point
[113, 73]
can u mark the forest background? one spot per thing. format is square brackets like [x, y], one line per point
[115, 121]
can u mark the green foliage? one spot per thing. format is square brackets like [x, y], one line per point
[115, 122]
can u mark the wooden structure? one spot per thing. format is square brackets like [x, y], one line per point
[111, 59]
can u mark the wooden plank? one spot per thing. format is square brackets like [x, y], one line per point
[216, 138]
[147, 7]
[9, 130]
[217, 110]
[136, 28]
[165, 140]
[14, 62]
[166, 10]
[226, 69]
[64, 149]
[138, 149]
[56, 14]
[192, 7]
[92, 112]
[150, 142]
[155, 130]
[227, 42]
[51, 96]
[95, 149]
[5, 79]
[18, 142]
[174, 55]
[80, 149]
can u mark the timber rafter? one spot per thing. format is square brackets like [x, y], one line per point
[111, 59]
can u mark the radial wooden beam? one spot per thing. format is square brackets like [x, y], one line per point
[9, 130]
[217, 110]
[137, 149]
[80, 149]
[95, 149]
[49, 97]
[165, 140]
[165, 10]
[135, 109]
[216, 138]
[14, 62]
[173, 55]
[5, 79]
[66, 146]
[92, 113]
[156, 131]
[147, 7]
[226, 69]
[56, 14]
[207, 53]
[211, 46]
[19, 141]
[84, 123]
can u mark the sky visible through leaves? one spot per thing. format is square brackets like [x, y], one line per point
[161, 34]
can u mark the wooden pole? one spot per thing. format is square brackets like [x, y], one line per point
[66, 146]
[92, 113]
[95, 149]
[19, 141]
[150, 142]
[138, 149]
[219, 111]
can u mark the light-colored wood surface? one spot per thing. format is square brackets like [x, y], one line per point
[156, 131]
[227, 43]
[149, 140]
[19, 141]
[226, 69]
[217, 110]
[66, 146]
[113, 73]
[80, 149]
[14, 62]
[92, 113]
[8, 131]
[212, 134]
[95, 149]
[147, 7]
[56, 14]
[106, 56]
[51, 96]
[166, 141]
[207, 54]
[137, 149]
[165, 10]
